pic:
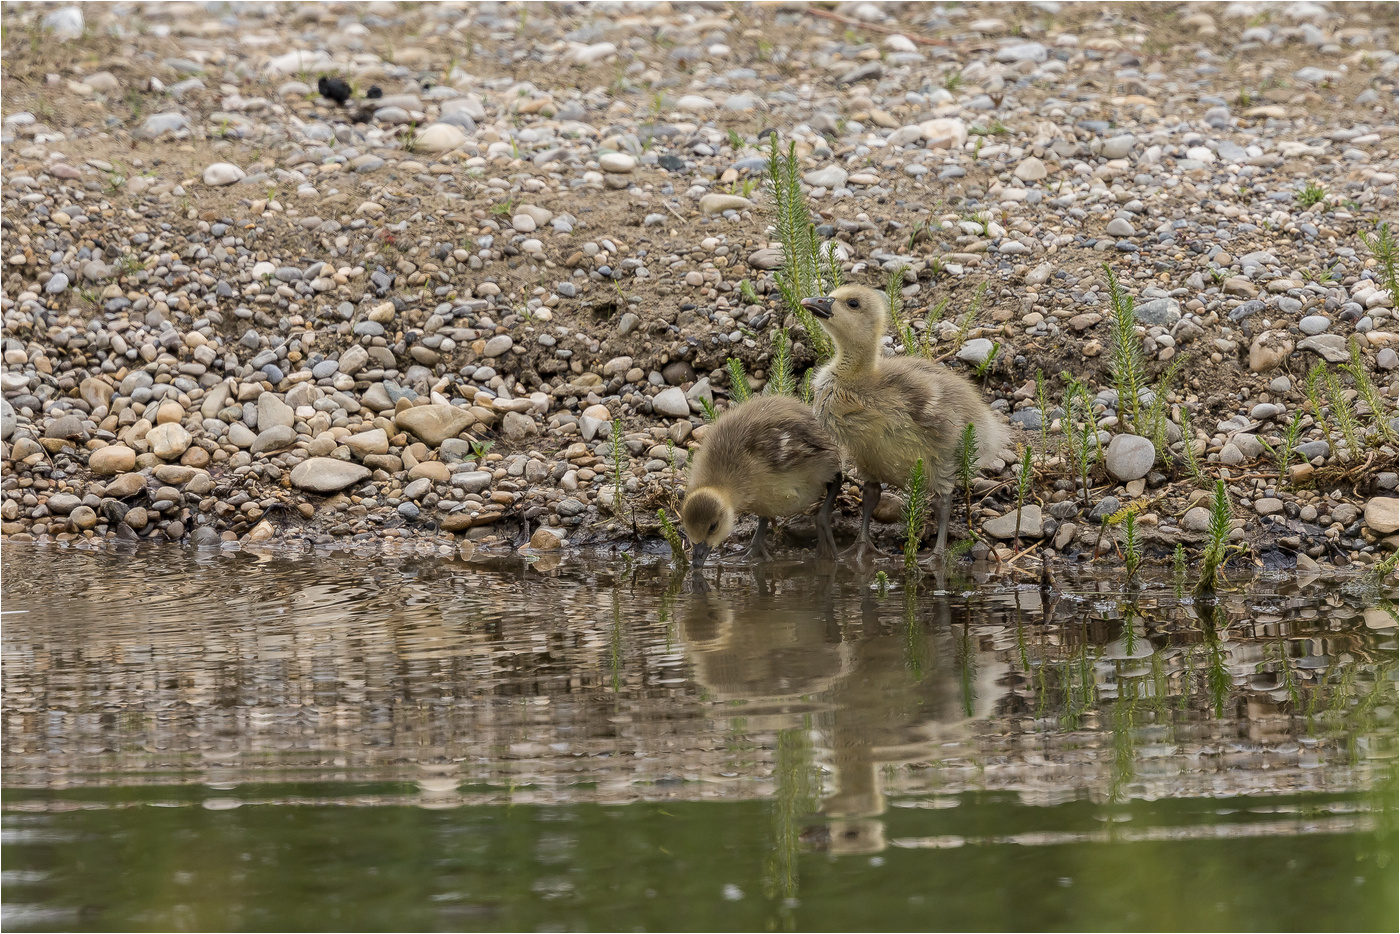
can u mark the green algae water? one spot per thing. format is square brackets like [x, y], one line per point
[341, 741]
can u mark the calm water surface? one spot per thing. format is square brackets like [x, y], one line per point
[243, 741]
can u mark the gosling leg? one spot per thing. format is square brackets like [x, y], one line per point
[864, 549]
[826, 538]
[945, 508]
[758, 549]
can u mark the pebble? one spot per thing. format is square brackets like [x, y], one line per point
[1129, 457]
[223, 173]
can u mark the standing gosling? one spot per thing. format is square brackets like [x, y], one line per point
[769, 456]
[888, 412]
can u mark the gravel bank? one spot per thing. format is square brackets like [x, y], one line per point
[235, 311]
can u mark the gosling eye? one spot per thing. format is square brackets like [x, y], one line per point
[852, 303]
[713, 526]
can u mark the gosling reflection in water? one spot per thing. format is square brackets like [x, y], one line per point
[894, 685]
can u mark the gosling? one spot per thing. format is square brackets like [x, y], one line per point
[769, 456]
[888, 412]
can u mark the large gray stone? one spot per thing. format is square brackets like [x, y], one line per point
[434, 424]
[1129, 457]
[1004, 527]
[327, 474]
[671, 402]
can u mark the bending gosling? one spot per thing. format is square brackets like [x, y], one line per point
[769, 456]
[888, 412]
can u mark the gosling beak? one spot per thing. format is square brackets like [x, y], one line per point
[821, 307]
[698, 554]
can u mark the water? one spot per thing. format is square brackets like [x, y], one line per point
[338, 741]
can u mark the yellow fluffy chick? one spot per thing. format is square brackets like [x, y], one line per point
[888, 412]
[769, 456]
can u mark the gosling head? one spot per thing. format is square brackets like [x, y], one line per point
[708, 519]
[853, 315]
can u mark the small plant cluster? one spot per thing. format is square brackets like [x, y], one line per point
[808, 271]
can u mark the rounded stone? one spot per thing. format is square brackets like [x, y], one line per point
[168, 441]
[1129, 457]
[222, 173]
[112, 460]
[617, 162]
[1383, 514]
[327, 474]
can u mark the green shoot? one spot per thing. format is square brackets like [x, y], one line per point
[746, 290]
[673, 538]
[1157, 412]
[1126, 362]
[967, 465]
[708, 408]
[935, 315]
[1217, 534]
[620, 458]
[965, 322]
[802, 274]
[1024, 479]
[1286, 452]
[1132, 547]
[1366, 389]
[1311, 193]
[739, 389]
[1384, 246]
[804, 388]
[780, 379]
[1042, 401]
[1316, 378]
[1179, 562]
[981, 370]
[894, 297]
[915, 509]
[1188, 449]
[882, 583]
[1344, 413]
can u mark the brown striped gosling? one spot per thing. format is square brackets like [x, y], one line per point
[888, 412]
[769, 456]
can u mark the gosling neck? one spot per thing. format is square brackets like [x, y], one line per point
[854, 358]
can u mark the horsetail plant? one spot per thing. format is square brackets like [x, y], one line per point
[965, 322]
[1023, 489]
[931, 320]
[619, 454]
[1217, 534]
[1157, 412]
[1126, 361]
[673, 538]
[1386, 249]
[1366, 389]
[780, 379]
[915, 509]
[1343, 413]
[1042, 399]
[904, 332]
[803, 273]
[739, 389]
[1188, 448]
[1287, 450]
[1132, 547]
[967, 465]
[1312, 389]
[708, 408]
